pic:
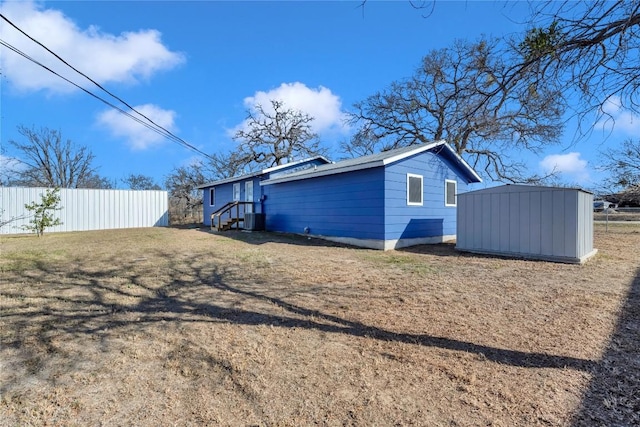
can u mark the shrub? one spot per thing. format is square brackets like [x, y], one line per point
[43, 212]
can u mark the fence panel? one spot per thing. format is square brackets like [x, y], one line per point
[86, 209]
[617, 214]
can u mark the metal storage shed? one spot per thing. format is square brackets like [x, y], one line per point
[549, 223]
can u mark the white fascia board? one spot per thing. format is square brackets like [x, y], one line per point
[373, 164]
[465, 164]
[440, 143]
[355, 167]
[418, 150]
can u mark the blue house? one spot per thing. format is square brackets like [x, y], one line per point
[388, 200]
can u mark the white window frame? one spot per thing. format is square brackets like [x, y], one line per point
[455, 192]
[236, 192]
[212, 196]
[409, 202]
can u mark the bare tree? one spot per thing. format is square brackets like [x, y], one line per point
[48, 161]
[464, 94]
[589, 48]
[97, 181]
[140, 182]
[272, 137]
[182, 184]
[9, 167]
[592, 48]
[624, 164]
[220, 165]
[185, 199]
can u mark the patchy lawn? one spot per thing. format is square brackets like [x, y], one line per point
[184, 327]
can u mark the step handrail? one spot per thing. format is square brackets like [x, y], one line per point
[227, 209]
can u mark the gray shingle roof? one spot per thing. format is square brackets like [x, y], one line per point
[374, 160]
[260, 172]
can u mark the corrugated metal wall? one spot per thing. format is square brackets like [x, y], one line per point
[84, 209]
[527, 221]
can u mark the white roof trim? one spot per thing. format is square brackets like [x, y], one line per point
[464, 163]
[441, 142]
[312, 173]
[418, 150]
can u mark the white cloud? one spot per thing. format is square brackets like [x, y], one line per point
[138, 136]
[320, 103]
[570, 165]
[104, 57]
[615, 118]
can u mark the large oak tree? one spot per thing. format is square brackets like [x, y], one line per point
[466, 95]
[274, 135]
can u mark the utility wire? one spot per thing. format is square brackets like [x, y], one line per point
[142, 122]
[151, 124]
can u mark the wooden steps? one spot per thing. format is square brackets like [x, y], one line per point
[234, 219]
[228, 224]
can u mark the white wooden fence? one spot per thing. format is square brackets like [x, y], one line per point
[84, 209]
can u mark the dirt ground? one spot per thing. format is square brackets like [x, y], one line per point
[184, 327]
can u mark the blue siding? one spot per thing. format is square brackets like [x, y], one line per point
[224, 195]
[342, 205]
[367, 204]
[433, 218]
[224, 192]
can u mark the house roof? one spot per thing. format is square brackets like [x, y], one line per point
[381, 159]
[262, 172]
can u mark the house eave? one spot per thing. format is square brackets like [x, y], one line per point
[418, 150]
[262, 172]
[297, 162]
[315, 174]
[228, 180]
[461, 163]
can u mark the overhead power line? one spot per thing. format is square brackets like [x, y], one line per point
[19, 52]
[149, 123]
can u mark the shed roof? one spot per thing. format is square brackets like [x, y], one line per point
[381, 159]
[262, 172]
[521, 188]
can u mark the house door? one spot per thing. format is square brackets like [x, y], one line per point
[248, 196]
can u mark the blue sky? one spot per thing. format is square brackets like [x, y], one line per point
[195, 68]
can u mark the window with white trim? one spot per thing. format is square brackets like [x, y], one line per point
[450, 190]
[212, 197]
[414, 190]
[236, 191]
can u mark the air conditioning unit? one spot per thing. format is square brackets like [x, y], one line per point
[254, 221]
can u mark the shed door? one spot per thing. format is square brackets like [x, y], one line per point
[248, 195]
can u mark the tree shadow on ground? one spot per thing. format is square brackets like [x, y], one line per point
[335, 324]
[194, 291]
[613, 396]
[262, 237]
[446, 249]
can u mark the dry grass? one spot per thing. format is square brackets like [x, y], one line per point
[183, 327]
